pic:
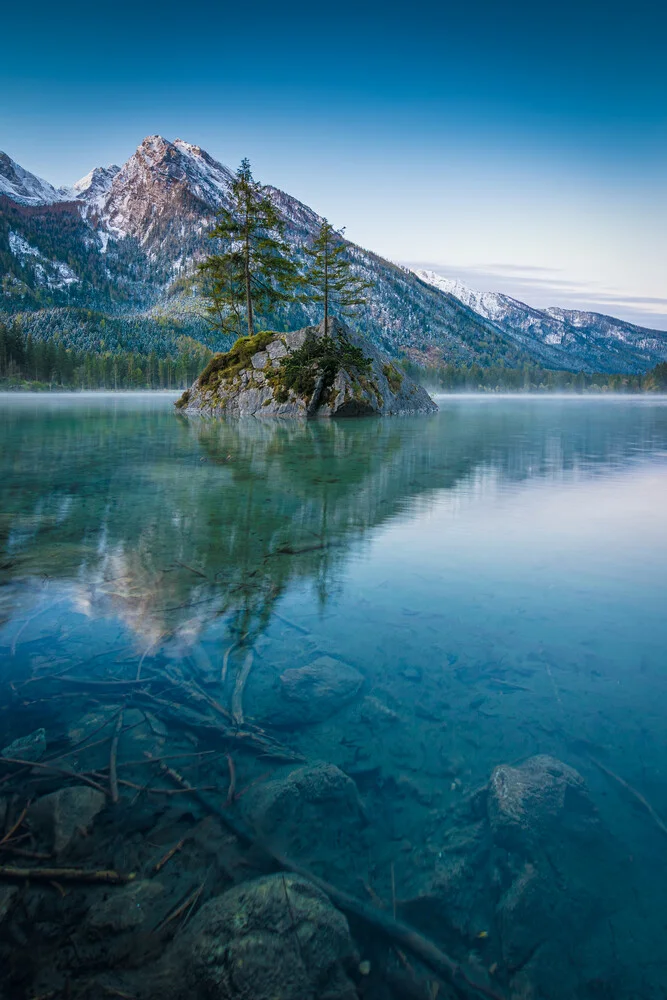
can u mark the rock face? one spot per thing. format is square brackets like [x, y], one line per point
[276, 937]
[250, 380]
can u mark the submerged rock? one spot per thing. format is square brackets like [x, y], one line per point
[30, 747]
[126, 908]
[314, 692]
[528, 804]
[8, 896]
[528, 874]
[252, 378]
[314, 816]
[276, 937]
[64, 814]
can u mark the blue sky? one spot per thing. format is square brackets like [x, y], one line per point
[520, 147]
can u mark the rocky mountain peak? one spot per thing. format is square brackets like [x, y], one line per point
[163, 182]
[25, 188]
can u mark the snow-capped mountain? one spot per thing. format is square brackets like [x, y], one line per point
[563, 338]
[109, 262]
[93, 189]
[25, 188]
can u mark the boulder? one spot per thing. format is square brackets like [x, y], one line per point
[275, 937]
[314, 816]
[126, 908]
[540, 799]
[30, 747]
[313, 693]
[8, 894]
[63, 815]
[381, 388]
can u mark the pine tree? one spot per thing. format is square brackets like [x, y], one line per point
[253, 270]
[330, 273]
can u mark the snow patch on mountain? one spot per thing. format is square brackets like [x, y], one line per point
[51, 273]
[491, 305]
[27, 189]
[93, 189]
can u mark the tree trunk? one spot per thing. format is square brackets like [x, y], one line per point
[248, 296]
[326, 289]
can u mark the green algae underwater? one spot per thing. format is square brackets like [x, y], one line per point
[423, 657]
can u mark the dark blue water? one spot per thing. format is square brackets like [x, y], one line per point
[498, 573]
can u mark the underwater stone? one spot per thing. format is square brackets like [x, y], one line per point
[64, 814]
[8, 894]
[313, 815]
[277, 936]
[316, 691]
[30, 747]
[126, 908]
[528, 803]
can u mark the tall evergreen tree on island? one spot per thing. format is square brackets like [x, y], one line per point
[253, 269]
[330, 273]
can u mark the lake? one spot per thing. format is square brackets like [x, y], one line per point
[496, 577]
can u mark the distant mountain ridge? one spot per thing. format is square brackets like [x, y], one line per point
[108, 262]
[585, 338]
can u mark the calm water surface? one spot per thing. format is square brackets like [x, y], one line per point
[498, 572]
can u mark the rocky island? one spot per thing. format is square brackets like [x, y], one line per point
[306, 373]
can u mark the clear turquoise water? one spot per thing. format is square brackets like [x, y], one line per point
[498, 572]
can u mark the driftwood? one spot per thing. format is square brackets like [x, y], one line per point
[66, 875]
[225, 662]
[8, 836]
[113, 757]
[637, 796]
[55, 770]
[239, 687]
[171, 852]
[399, 933]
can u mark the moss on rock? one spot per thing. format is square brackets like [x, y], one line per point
[393, 377]
[227, 366]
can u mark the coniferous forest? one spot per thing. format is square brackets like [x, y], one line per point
[28, 363]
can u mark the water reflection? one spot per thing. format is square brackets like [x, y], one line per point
[170, 524]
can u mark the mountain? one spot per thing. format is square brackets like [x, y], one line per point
[25, 188]
[108, 263]
[562, 338]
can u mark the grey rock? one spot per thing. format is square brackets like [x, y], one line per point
[276, 937]
[8, 894]
[540, 799]
[65, 814]
[385, 391]
[313, 815]
[276, 349]
[126, 908]
[313, 693]
[30, 747]
[525, 915]
[260, 360]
